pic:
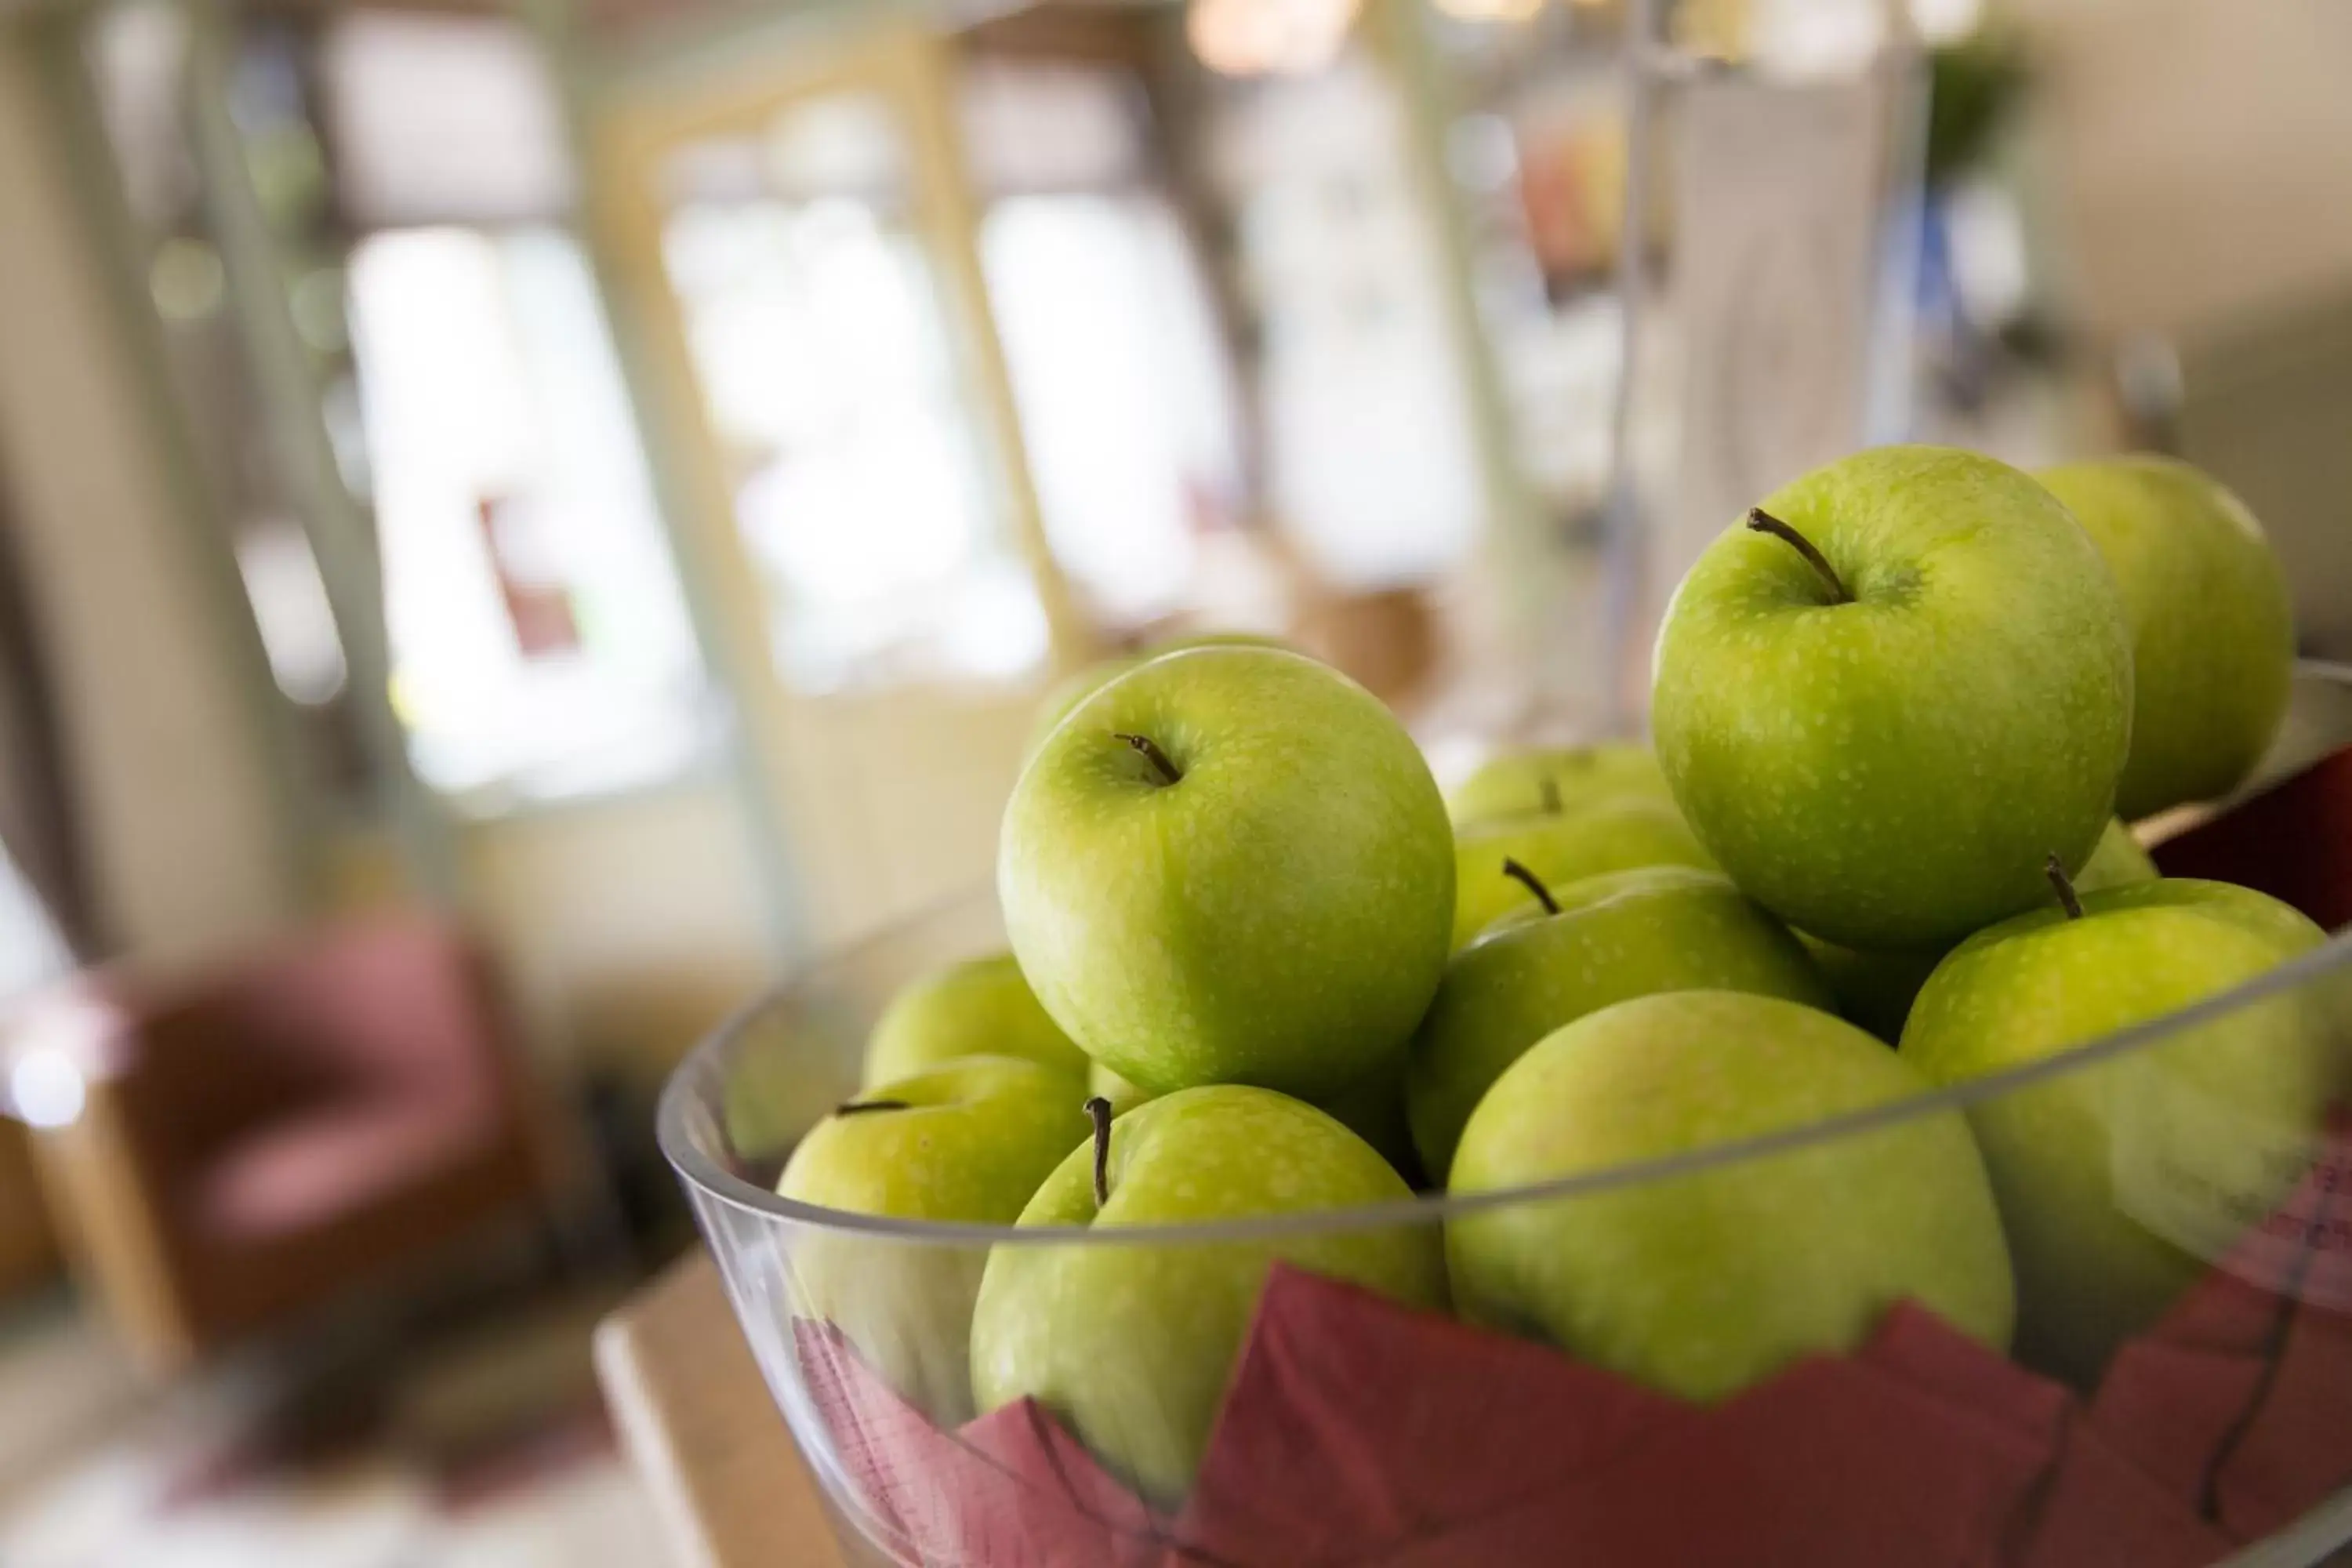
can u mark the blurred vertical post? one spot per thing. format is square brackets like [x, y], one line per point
[1623, 552]
[58, 41]
[950, 215]
[577, 80]
[1521, 556]
[341, 536]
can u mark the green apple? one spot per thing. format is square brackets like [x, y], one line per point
[1517, 781]
[1231, 866]
[2211, 625]
[981, 1007]
[1875, 990]
[1886, 697]
[1629, 934]
[1702, 1285]
[1132, 1344]
[2092, 1166]
[1066, 694]
[1621, 835]
[967, 1142]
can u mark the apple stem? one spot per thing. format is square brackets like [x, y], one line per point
[1550, 786]
[1168, 771]
[1100, 1108]
[1763, 522]
[2068, 900]
[860, 1106]
[1533, 883]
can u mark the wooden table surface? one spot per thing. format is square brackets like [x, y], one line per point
[696, 1418]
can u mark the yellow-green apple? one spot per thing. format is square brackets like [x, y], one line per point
[1521, 780]
[1703, 1284]
[1130, 1342]
[1886, 695]
[2212, 627]
[981, 1007]
[2091, 1164]
[1620, 834]
[1231, 866]
[967, 1142]
[1585, 946]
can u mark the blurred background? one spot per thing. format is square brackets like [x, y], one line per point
[519, 522]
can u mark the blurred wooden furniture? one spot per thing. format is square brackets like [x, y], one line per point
[698, 1424]
[283, 1132]
[28, 1251]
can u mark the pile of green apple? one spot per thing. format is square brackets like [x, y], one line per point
[1260, 966]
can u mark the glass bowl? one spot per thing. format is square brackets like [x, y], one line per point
[2281, 1282]
[2179, 1390]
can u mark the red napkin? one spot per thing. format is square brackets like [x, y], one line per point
[1359, 1432]
[1010, 1488]
[1396, 1437]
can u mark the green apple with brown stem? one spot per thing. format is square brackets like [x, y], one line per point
[968, 1141]
[2093, 1166]
[1875, 990]
[1623, 834]
[1884, 697]
[1231, 866]
[1132, 1345]
[1577, 949]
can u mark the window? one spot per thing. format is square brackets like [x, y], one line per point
[414, 179]
[539, 640]
[1118, 362]
[1372, 466]
[833, 389]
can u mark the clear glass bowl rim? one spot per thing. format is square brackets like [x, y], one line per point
[685, 1101]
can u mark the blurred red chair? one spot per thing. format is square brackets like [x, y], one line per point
[283, 1132]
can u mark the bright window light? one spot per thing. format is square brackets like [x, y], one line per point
[46, 1088]
[540, 645]
[1371, 462]
[1124, 400]
[824, 363]
[1269, 37]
